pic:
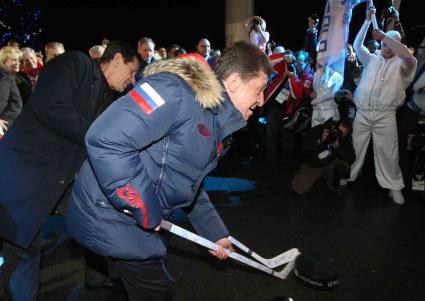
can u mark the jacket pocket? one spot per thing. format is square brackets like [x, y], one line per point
[107, 213]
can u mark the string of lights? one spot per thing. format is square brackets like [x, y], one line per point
[19, 22]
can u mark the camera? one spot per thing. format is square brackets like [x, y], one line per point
[389, 9]
[257, 21]
[334, 134]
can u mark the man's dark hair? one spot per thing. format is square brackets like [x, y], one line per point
[243, 58]
[180, 51]
[127, 51]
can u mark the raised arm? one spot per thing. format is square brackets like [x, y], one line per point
[247, 22]
[397, 47]
[362, 52]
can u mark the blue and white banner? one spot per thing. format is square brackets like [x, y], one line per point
[334, 33]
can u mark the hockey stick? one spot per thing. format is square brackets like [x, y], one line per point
[272, 263]
[374, 22]
[212, 246]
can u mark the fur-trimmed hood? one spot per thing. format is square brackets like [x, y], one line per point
[198, 76]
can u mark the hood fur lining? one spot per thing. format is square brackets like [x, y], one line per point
[202, 80]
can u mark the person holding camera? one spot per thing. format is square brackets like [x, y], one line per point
[258, 35]
[329, 152]
[390, 19]
[310, 44]
[380, 93]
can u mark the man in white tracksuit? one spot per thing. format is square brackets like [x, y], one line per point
[381, 91]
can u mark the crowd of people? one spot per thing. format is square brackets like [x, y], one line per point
[319, 116]
[102, 136]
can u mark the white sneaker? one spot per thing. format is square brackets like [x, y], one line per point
[397, 197]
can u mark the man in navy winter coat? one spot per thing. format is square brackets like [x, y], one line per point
[148, 155]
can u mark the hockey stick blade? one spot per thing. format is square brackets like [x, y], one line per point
[272, 263]
[236, 256]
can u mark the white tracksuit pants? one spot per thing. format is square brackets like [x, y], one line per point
[383, 127]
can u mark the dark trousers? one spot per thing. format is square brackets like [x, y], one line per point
[144, 280]
[407, 124]
[277, 142]
[21, 270]
[97, 269]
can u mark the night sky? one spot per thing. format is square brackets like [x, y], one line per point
[80, 24]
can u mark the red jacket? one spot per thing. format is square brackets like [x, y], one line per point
[300, 87]
[278, 81]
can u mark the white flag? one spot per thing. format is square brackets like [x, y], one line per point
[334, 33]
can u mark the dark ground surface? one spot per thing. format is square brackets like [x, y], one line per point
[378, 245]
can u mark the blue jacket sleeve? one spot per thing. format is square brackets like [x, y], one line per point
[205, 219]
[114, 143]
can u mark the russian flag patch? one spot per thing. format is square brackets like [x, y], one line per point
[147, 98]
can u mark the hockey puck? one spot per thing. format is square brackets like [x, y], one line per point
[317, 272]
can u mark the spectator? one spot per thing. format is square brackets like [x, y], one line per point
[329, 151]
[311, 38]
[297, 105]
[10, 98]
[105, 42]
[40, 58]
[352, 70]
[53, 49]
[162, 52]
[410, 114]
[372, 45]
[171, 50]
[256, 27]
[180, 51]
[216, 53]
[270, 46]
[204, 48]
[145, 48]
[276, 94]
[30, 66]
[10, 59]
[390, 19]
[44, 149]
[96, 52]
[326, 83]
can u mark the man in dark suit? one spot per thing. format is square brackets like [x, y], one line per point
[43, 150]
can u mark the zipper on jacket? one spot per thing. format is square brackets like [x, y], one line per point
[163, 159]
